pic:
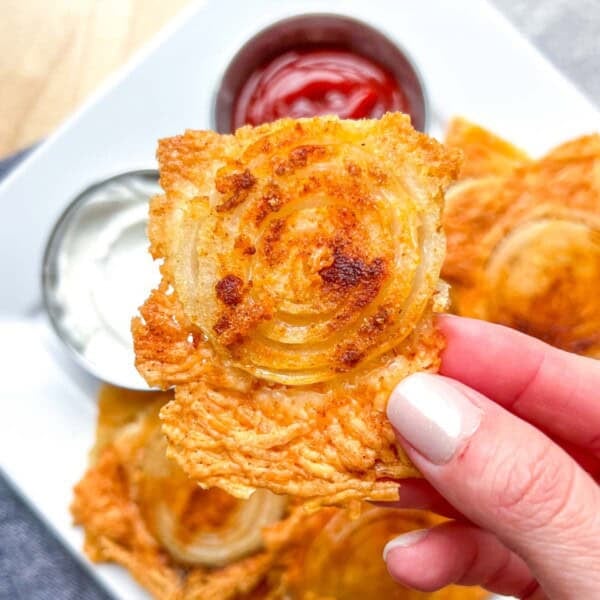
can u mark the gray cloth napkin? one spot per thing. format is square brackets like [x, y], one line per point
[33, 564]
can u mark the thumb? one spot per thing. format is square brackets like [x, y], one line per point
[505, 476]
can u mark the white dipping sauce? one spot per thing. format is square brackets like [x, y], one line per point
[98, 272]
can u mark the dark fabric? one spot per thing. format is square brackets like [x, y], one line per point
[12, 161]
[33, 563]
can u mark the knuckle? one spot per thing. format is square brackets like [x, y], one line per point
[532, 490]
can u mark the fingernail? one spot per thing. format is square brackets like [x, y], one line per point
[432, 415]
[404, 540]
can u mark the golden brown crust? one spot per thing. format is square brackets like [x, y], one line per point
[118, 499]
[114, 527]
[333, 555]
[485, 153]
[472, 207]
[328, 234]
[301, 261]
[524, 250]
[331, 444]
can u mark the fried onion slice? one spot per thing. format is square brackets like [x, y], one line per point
[338, 557]
[301, 270]
[485, 153]
[141, 511]
[524, 250]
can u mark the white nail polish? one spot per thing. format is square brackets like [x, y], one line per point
[404, 540]
[433, 415]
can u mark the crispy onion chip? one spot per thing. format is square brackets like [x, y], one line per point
[339, 557]
[485, 153]
[301, 269]
[140, 510]
[524, 250]
[291, 261]
[242, 537]
[196, 526]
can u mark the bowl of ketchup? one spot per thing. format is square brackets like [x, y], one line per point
[318, 64]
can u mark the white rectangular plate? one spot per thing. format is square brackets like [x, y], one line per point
[473, 64]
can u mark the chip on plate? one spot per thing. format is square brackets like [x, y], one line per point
[524, 248]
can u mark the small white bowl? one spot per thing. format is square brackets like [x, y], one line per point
[319, 30]
[97, 272]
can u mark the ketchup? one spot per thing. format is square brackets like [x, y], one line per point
[310, 82]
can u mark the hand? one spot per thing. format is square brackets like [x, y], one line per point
[508, 440]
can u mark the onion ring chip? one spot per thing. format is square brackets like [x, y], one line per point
[338, 557]
[300, 272]
[141, 511]
[524, 249]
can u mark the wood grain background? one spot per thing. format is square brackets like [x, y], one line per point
[54, 54]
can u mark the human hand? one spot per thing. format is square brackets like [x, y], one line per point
[508, 440]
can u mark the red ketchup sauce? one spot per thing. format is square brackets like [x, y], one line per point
[305, 83]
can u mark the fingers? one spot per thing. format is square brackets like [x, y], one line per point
[587, 461]
[428, 560]
[555, 390]
[505, 476]
[419, 494]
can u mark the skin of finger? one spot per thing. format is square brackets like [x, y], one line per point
[463, 554]
[419, 494]
[588, 462]
[555, 390]
[510, 479]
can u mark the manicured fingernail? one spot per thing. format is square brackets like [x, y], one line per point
[432, 415]
[404, 540]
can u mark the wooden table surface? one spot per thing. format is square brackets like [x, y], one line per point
[54, 54]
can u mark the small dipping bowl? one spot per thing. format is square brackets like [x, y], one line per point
[97, 272]
[318, 31]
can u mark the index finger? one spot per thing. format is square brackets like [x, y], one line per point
[552, 389]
